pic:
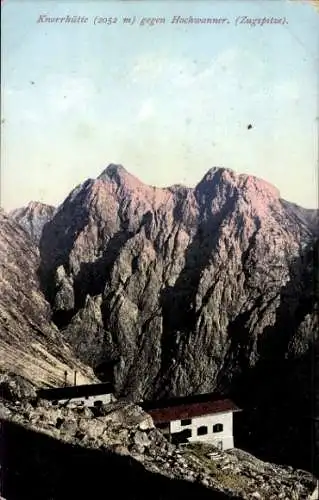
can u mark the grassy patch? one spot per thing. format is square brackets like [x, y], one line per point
[233, 481]
[226, 479]
[200, 451]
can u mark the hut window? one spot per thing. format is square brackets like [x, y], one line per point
[218, 428]
[201, 431]
[186, 421]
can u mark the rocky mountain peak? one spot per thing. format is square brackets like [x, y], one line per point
[219, 187]
[34, 207]
[218, 173]
[118, 175]
[33, 217]
[112, 171]
[37, 206]
[222, 187]
[247, 183]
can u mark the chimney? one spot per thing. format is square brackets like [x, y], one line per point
[75, 377]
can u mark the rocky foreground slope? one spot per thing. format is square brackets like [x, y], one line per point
[30, 344]
[61, 453]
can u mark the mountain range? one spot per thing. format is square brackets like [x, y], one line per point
[189, 290]
[183, 286]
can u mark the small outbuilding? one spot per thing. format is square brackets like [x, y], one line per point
[87, 395]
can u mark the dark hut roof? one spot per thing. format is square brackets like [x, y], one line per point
[188, 407]
[76, 391]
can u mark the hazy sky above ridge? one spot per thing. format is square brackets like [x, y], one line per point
[167, 101]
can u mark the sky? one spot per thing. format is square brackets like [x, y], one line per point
[167, 101]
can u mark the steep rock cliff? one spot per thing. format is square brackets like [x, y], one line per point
[187, 288]
[30, 344]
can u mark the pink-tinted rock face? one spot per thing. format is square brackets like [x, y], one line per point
[181, 285]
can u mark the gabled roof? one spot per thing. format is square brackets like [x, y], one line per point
[76, 391]
[189, 407]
